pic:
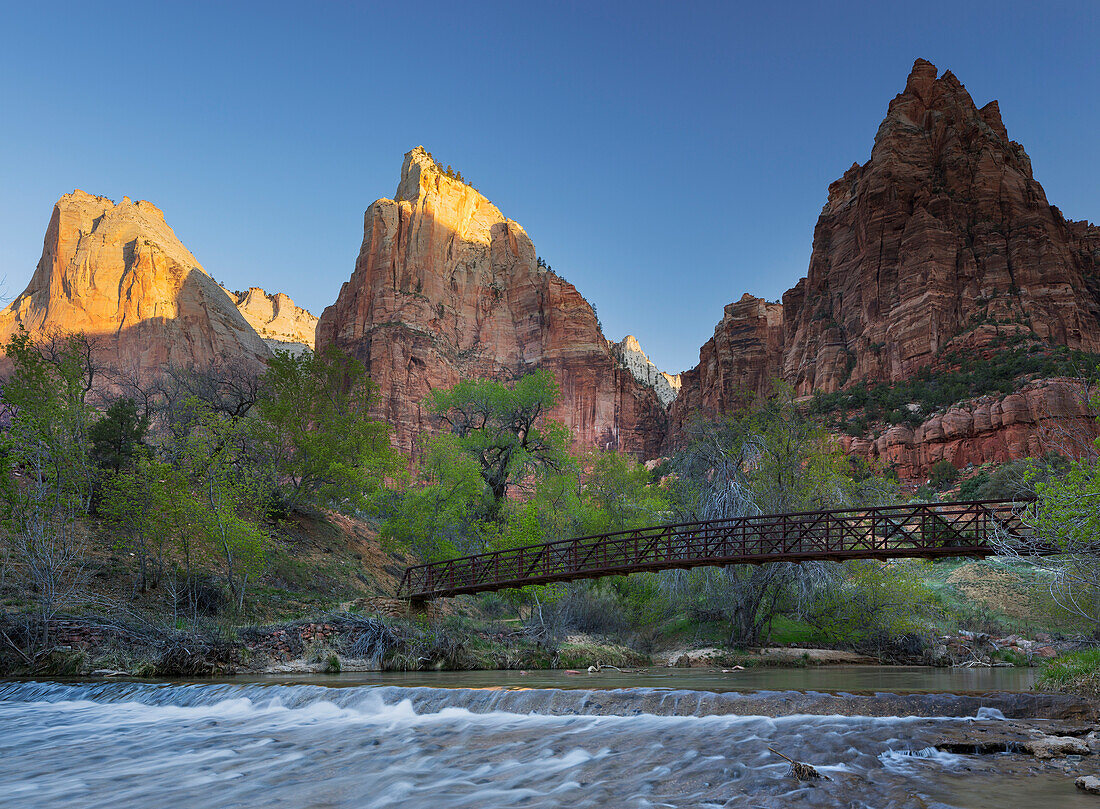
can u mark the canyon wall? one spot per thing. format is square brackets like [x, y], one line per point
[446, 288]
[119, 274]
[942, 229]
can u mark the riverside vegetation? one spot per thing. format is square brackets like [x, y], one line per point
[245, 518]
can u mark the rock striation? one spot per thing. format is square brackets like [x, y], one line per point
[119, 274]
[446, 288]
[277, 319]
[942, 229]
[629, 354]
[741, 360]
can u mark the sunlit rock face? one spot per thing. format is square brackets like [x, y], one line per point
[282, 324]
[447, 288]
[943, 228]
[630, 356]
[119, 274]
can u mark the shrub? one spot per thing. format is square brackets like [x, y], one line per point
[942, 474]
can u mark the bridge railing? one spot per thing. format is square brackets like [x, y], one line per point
[918, 530]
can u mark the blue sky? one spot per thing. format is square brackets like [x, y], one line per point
[664, 157]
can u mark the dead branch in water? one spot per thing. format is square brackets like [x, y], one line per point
[801, 771]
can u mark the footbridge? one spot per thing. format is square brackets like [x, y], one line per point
[921, 530]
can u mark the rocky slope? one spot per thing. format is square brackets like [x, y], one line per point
[944, 228]
[629, 354]
[277, 319]
[1050, 415]
[446, 287]
[119, 274]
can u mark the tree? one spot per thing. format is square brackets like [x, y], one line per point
[1066, 515]
[225, 496]
[441, 514]
[503, 427]
[315, 429]
[48, 477]
[143, 501]
[767, 459]
[117, 437]
[942, 474]
[621, 493]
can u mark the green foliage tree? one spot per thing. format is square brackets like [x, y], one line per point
[767, 459]
[942, 474]
[1066, 516]
[442, 513]
[869, 600]
[621, 493]
[504, 429]
[117, 436]
[48, 477]
[315, 431]
[142, 503]
[226, 496]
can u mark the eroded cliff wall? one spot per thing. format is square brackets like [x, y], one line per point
[446, 288]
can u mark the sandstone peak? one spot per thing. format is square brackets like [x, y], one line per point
[420, 172]
[943, 228]
[920, 78]
[118, 273]
[435, 193]
[631, 357]
[277, 319]
[446, 288]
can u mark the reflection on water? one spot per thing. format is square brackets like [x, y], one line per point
[852, 679]
[149, 745]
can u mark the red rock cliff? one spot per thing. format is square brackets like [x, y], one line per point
[1051, 415]
[942, 228]
[447, 288]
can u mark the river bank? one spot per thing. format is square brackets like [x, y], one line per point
[371, 740]
[354, 642]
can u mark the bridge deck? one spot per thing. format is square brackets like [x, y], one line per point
[924, 530]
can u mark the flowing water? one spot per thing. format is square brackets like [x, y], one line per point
[500, 739]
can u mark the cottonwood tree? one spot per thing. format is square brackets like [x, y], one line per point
[504, 429]
[224, 499]
[313, 426]
[144, 502]
[1064, 516]
[767, 459]
[499, 442]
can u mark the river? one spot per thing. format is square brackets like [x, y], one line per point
[663, 738]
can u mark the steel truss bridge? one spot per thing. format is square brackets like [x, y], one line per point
[922, 530]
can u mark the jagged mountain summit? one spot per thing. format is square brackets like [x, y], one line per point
[118, 273]
[446, 288]
[630, 355]
[281, 323]
[942, 240]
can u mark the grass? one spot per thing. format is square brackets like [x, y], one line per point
[788, 630]
[1075, 672]
[993, 596]
[582, 655]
